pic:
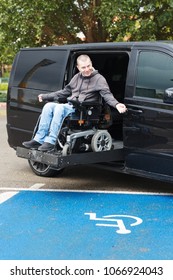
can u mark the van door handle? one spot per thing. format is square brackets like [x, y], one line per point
[139, 111]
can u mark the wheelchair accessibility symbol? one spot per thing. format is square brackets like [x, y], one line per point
[122, 222]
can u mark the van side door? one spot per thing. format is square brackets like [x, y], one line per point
[148, 125]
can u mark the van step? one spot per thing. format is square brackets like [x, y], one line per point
[59, 161]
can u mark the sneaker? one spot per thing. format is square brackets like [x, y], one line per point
[46, 147]
[32, 144]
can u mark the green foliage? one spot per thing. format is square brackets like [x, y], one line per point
[33, 23]
[3, 86]
[138, 20]
[3, 92]
[3, 96]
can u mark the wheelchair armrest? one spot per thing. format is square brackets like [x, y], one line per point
[73, 102]
[76, 104]
[62, 99]
[90, 103]
[82, 106]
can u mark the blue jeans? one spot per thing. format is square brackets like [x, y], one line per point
[52, 117]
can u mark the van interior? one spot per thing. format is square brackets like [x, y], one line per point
[113, 66]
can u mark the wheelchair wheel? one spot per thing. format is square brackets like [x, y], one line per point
[101, 141]
[43, 170]
[66, 150]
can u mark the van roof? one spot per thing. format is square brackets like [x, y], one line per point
[108, 45]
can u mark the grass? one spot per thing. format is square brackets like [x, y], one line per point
[3, 92]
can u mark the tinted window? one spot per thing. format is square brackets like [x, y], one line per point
[154, 74]
[40, 69]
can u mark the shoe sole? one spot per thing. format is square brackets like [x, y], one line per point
[36, 147]
[49, 150]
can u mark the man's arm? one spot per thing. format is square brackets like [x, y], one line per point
[53, 96]
[108, 96]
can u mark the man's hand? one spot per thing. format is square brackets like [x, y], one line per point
[121, 108]
[40, 99]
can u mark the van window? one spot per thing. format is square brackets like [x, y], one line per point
[41, 70]
[154, 74]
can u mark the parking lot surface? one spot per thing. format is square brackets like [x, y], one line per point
[77, 225]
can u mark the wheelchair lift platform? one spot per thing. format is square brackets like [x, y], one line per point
[56, 160]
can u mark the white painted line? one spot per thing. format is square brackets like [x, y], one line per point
[14, 189]
[32, 188]
[105, 192]
[36, 186]
[6, 195]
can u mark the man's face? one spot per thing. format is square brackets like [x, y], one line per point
[85, 67]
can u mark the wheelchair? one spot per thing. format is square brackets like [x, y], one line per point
[85, 130]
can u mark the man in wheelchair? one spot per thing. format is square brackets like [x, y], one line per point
[83, 95]
[85, 129]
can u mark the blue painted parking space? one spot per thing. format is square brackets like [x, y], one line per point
[61, 225]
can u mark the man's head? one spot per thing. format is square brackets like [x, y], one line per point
[84, 65]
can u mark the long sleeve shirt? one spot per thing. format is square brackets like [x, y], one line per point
[85, 88]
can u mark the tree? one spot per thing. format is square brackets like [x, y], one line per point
[138, 20]
[37, 23]
[31, 23]
[51, 22]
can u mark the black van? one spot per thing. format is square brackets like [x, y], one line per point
[140, 74]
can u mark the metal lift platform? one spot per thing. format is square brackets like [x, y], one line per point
[58, 161]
